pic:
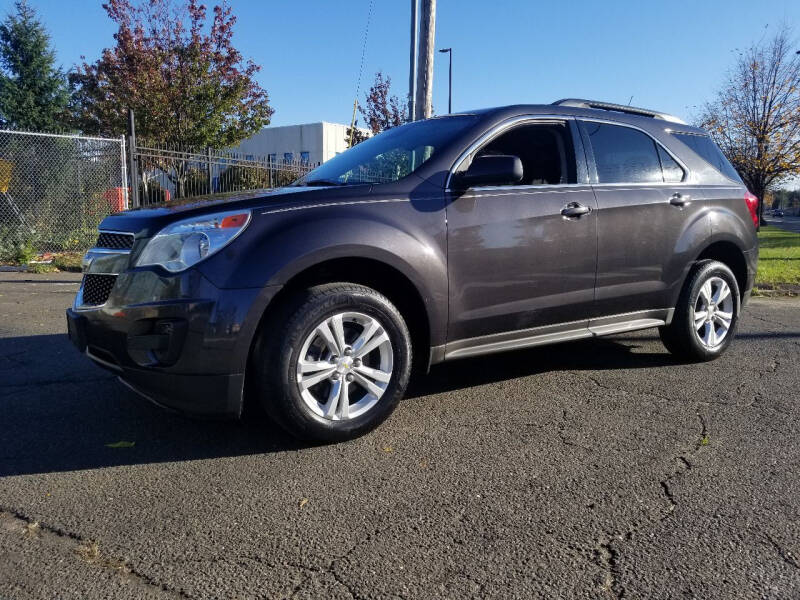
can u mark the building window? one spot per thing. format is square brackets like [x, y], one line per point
[288, 157]
[304, 157]
[248, 157]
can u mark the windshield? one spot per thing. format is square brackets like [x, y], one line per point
[390, 155]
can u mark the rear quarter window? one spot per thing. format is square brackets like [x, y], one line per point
[706, 149]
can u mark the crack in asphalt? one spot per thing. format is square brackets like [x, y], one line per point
[607, 557]
[645, 394]
[765, 320]
[783, 553]
[684, 467]
[130, 571]
[562, 434]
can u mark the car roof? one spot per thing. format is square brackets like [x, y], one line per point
[607, 114]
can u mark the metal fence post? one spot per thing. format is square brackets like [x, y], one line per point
[134, 172]
[208, 170]
[124, 175]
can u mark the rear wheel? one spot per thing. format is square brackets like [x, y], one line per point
[707, 313]
[339, 365]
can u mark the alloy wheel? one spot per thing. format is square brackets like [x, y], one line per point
[712, 313]
[344, 366]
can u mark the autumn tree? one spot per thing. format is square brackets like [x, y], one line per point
[186, 82]
[755, 118]
[380, 110]
[33, 91]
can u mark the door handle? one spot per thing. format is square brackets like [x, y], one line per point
[678, 199]
[573, 210]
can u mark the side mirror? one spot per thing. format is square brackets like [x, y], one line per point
[492, 170]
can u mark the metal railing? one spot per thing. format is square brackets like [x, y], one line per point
[165, 173]
[55, 189]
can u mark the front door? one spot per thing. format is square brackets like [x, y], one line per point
[521, 258]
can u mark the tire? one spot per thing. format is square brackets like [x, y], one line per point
[704, 339]
[335, 394]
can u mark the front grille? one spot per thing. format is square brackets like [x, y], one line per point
[97, 288]
[115, 241]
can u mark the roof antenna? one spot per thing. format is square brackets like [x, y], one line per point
[630, 100]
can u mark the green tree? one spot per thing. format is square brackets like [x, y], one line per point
[33, 91]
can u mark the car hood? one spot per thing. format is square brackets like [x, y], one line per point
[146, 222]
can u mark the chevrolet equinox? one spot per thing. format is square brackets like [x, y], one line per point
[456, 236]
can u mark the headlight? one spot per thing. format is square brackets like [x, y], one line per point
[186, 243]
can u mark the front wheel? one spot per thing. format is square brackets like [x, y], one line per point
[707, 313]
[338, 366]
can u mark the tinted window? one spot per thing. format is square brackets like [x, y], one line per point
[673, 173]
[545, 150]
[623, 155]
[705, 147]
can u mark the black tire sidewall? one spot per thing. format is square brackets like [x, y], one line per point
[319, 305]
[684, 311]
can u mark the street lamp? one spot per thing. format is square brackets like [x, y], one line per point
[450, 85]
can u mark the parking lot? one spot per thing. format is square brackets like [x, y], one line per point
[592, 469]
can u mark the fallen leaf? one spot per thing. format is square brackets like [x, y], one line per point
[303, 502]
[121, 444]
[387, 448]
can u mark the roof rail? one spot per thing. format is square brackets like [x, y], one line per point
[632, 110]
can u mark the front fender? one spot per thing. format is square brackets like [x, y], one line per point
[279, 245]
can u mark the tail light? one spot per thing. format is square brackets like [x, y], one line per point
[752, 206]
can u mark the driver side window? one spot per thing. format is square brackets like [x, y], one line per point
[545, 149]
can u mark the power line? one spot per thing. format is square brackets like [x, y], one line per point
[360, 71]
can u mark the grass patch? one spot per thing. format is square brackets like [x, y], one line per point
[68, 261]
[42, 268]
[778, 258]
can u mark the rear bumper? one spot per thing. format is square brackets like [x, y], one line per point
[182, 344]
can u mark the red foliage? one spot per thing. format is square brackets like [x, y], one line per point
[186, 81]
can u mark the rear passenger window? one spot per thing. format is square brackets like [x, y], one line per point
[673, 173]
[708, 151]
[623, 155]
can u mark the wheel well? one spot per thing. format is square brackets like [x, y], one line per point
[379, 276]
[729, 254]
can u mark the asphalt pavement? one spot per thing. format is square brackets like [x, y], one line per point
[787, 223]
[595, 469]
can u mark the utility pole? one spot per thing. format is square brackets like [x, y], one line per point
[427, 33]
[132, 167]
[412, 72]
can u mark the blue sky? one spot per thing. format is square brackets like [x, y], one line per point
[668, 56]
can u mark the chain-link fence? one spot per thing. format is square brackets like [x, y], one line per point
[55, 190]
[167, 172]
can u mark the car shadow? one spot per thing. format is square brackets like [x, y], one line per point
[60, 412]
[585, 355]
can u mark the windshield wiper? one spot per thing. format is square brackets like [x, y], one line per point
[323, 182]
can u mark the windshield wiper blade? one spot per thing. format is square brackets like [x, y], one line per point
[322, 182]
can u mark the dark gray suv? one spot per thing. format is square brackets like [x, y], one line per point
[457, 236]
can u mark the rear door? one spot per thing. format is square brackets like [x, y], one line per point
[646, 210]
[515, 262]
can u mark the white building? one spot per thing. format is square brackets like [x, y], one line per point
[313, 143]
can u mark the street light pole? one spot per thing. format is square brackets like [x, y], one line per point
[450, 84]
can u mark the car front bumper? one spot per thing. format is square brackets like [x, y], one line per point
[175, 339]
